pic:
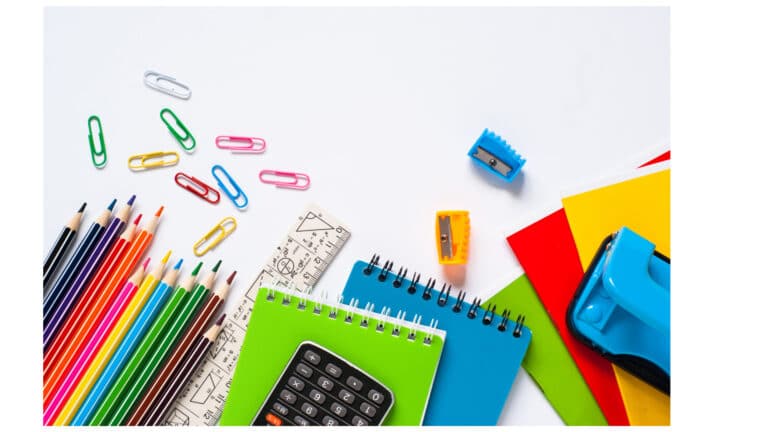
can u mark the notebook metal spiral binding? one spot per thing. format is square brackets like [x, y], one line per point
[348, 312]
[488, 315]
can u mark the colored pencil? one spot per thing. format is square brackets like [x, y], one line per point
[194, 330]
[55, 318]
[181, 376]
[82, 361]
[97, 311]
[61, 245]
[161, 349]
[64, 283]
[127, 347]
[151, 280]
[154, 334]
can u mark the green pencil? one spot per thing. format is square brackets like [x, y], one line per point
[172, 306]
[161, 349]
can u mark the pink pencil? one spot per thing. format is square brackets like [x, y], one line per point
[81, 364]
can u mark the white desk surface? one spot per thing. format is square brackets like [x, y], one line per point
[378, 106]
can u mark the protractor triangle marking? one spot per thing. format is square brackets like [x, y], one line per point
[313, 222]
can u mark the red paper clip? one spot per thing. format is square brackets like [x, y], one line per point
[291, 184]
[197, 187]
[249, 144]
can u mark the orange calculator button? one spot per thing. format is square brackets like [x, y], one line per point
[274, 420]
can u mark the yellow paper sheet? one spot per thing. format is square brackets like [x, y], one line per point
[641, 204]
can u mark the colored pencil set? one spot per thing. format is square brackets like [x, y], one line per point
[120, 338]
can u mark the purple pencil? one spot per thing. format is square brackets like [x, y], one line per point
[61, 312]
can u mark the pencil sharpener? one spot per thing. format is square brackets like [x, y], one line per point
[494, 155]
[452, 235]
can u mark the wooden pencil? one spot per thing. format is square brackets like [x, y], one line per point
[155, 304]
[191, 334]
[181, 376]
[112, 398]
[61, 246]
[161, 350]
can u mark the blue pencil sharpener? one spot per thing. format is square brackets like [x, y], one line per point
[621, 307]
[496, 156]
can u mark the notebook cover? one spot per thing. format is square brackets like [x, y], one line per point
[479, 362]
[275, 331]
[548, 361]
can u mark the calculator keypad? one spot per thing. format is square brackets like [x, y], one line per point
[320, 388]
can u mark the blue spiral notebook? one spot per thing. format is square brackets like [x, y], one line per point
[483, 349]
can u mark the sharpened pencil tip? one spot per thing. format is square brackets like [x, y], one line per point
[82, 207]
[197, 269]
[221, 319]
[146, 263]
[112, 204]
[166, 257]
[159, 211]
[138, 218]
[231, 277]
[216, 267]
[130, 201]
[178, 264]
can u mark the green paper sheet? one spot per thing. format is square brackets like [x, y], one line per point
[547, 360]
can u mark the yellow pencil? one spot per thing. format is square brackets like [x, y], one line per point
[110, 345]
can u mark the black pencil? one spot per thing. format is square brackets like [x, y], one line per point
[61, 246]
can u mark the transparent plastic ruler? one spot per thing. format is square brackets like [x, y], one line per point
[297, 263]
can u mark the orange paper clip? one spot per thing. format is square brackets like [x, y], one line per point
[197, 187]
[145, 161]
[296, 180]
[452, 233]
[211, 239]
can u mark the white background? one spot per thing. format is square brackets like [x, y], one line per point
[378, 106]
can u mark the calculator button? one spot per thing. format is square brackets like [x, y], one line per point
[376, 397]
[280, 408]
[333, 370]
[301, 421]
[296, 383]
[367, 409]
[328, 421]
[304, 370]
[312, 357]
[273, 420]
[357, 421]
[325, 383]
[316, 396]
[355, 383]
[309, 409]
[346, 396]
[288, 396]
[338, 409]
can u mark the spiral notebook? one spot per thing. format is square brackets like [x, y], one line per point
[488, 344]
[402, 355]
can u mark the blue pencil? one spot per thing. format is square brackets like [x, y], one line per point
[127, 346]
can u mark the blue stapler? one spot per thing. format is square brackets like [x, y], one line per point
[621, 307]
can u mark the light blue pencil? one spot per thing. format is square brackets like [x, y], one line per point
[128, 344]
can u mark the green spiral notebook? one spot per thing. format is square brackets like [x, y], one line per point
[402, 355]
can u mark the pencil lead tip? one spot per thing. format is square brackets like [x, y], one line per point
[146, 263]
[112, 204]
[138, 218]
[130, 201]
[197, 269]
[231, 277]
[166, 257]
[221, 319]
[216, 267]
[159, 211]
[82, 207]
[178, 264]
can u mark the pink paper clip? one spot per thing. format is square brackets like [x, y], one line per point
[290, 184]
[197, 187]
[246, 144]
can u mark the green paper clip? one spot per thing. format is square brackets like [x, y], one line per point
[102, 152]
[181, 139]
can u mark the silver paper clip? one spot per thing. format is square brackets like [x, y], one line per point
[174, 88]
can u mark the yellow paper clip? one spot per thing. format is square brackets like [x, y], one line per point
[220, 231]
[452, 232]
[152, 160]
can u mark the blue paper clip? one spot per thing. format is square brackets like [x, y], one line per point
[496, 156]
[238, 192]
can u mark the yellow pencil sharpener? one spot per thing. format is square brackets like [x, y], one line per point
[452, 234]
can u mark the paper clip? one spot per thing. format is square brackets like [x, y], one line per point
[154, 80]
[197, 187]
[291, 184]
[220, 231]
[152, 160]
[238, 192]
[452, 233]
[251, 144]
[101, 153]
[181, 139]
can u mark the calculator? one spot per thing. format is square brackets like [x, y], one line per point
[319, 387]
